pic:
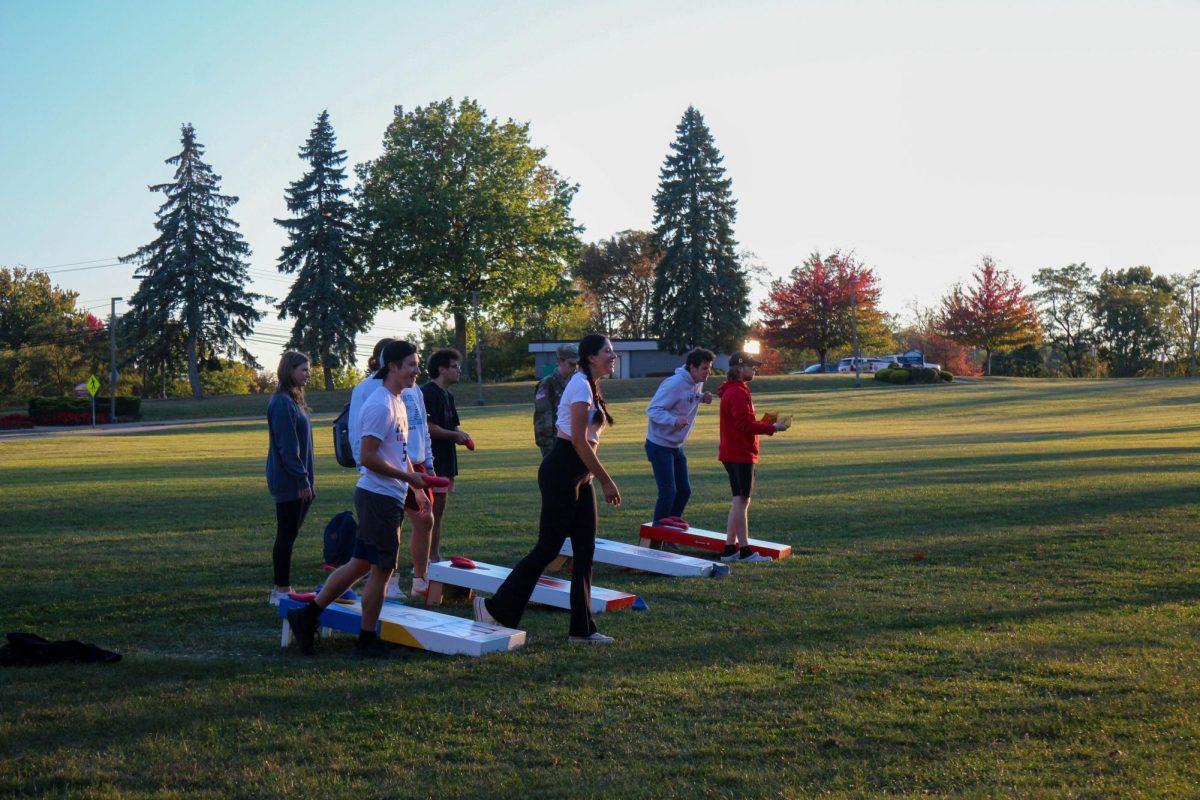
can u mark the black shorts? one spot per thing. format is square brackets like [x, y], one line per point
[741, 478]
[379, 520]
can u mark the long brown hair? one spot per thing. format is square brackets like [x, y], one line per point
[287, 363]
[590, 345]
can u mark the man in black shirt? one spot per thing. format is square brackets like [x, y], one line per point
[444, 371]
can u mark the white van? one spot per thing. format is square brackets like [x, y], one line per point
[864, 364]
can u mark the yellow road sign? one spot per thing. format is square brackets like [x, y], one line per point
[93, 385]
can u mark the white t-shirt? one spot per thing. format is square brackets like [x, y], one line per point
[420, 446]
[384, 418]
[359, 396]
[579, 391]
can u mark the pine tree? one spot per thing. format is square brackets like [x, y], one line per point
[322, 299]
[701, 293]
[195, 271]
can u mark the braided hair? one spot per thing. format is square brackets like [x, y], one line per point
[590, 345]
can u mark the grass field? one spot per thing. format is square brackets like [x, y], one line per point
[1048, 645]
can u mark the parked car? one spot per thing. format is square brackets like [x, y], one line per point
[813, 369]
[864, 364]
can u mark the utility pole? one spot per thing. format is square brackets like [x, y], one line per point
[478, 357]
[112, 361]
[854, 330]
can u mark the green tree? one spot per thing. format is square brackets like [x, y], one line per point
[460, 207]
[195, 270]
[1187, 314]
[324, 297]
[1132, 309]
[46, 344]
[617, 275]
[1064, 297]
[701, 290]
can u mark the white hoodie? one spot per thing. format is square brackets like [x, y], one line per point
[677, 396]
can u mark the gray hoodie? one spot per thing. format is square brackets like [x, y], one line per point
[677, 396]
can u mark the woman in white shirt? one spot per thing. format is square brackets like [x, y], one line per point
[568, 500]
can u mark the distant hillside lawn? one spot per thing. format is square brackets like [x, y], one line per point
[1046, 645]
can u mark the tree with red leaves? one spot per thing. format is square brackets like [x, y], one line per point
[812, 308]
[994, 312]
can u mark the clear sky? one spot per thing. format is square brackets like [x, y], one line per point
[921, 135]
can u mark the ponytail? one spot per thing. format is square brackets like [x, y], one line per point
[590, 345]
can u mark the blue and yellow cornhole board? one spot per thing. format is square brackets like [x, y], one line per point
[415, 627]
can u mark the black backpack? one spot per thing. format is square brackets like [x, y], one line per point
[341, 439]
[339, 539]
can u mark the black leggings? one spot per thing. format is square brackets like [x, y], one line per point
[568, 509]
[289, 517]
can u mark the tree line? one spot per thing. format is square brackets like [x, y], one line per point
[461, 218]
[1075, 323]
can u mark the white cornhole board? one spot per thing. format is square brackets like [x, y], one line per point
[548, 591]
[416, 627]
[647, 560]
[706, 540]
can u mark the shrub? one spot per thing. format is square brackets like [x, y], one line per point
[884, 375]
[42, 407]
[946, 376]
[899, 376]
[14, 422]
[73, 418]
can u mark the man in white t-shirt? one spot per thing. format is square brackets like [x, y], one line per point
[385, 475]
[359, 395]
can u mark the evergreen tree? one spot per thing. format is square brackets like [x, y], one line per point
[322, 299]
[195, 270]
[701, 292]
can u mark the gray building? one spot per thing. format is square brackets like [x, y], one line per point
[639, 358]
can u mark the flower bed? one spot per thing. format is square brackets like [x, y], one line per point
[15, 422]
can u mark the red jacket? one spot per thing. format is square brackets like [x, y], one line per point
[739, 429]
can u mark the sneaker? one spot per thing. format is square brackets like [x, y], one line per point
[420, 586]
[595, 638]
[375, 650]
[753, 558]
[393, 591]
[732, 557]
[304, 629]
[481, 613]
[278, 594]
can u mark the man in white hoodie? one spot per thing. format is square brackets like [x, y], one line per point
[672, 414]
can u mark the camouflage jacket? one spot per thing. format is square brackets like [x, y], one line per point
[545, 409]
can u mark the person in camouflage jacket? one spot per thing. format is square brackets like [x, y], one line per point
[548, 393]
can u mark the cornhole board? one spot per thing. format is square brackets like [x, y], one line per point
[647, 560]
[548, 591]
[705, 540]
[415, 627]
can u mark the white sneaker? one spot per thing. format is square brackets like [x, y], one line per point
[595, 638]
[732, 557]
[278, 594]
[481, 613]
[393, 591]
[754, 558]
[419, 586]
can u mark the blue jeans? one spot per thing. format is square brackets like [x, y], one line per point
[671, 474]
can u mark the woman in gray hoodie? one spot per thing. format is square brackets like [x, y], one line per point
[672, 413]
[289, 464]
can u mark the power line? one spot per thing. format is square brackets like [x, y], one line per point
[75, 263]
[83, 269]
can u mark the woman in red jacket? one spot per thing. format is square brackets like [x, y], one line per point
[738, 451]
